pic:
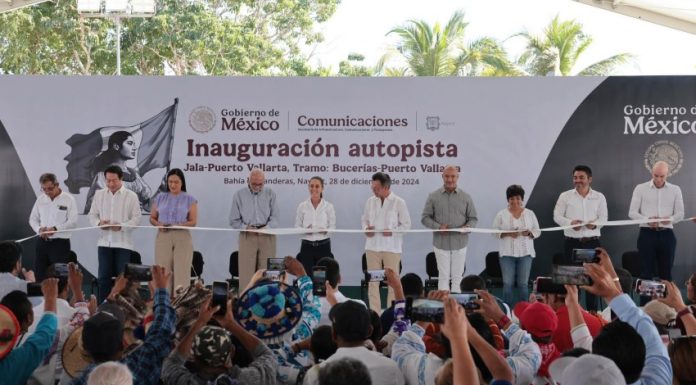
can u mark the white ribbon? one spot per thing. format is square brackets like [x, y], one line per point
[298, 230]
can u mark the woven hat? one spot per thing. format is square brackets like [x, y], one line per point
[9, 331]
[212, 345]
[537, 318]
[269, 310]
[75, 359]
[187, 303]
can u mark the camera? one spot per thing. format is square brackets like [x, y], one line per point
[545, 285]
[467, 300]
[220, 293]
[650, 288]
[319, 280]
[570, 275]
[426, 310]
[138, 273]
[375, 276]
[581, 256]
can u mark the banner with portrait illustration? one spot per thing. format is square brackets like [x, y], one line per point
[499, 131]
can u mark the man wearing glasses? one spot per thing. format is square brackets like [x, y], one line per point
[253, 208]
[54, 210]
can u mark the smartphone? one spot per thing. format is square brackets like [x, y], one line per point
[545, 285]
[648, 288]
[319, 280]
[275, 264]
[570, 275]
[374, 276]
[34, 289]
[273, 275]
[61, 270]
[138, 273]
[581, 256]
[220, 293]
[427, 310]
[467, 300]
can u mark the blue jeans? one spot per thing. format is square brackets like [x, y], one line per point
[112, 262]
[515, 273]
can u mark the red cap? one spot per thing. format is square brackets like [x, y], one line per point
[537, 318]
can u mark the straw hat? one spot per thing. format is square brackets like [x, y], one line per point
[269, 310]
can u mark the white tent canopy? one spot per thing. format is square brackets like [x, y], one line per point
[677, 14]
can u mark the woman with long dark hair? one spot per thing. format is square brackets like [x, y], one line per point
[316, 214]
[174, 247]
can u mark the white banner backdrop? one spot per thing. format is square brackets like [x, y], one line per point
[499, 131]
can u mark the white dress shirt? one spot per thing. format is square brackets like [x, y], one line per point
[522, 245]
[650, 201]
[9, 283]
[571, 206]
[61, 213]
[323, 217]
[392, 214]
[120, 208]
[325, 307]
[383, 370]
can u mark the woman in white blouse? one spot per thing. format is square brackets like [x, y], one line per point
[516, 244]
[317, 214]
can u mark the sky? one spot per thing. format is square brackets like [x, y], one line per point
[361, 26]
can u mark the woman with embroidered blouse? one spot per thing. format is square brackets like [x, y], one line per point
[516, 244]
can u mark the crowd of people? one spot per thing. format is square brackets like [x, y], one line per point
[280, 331]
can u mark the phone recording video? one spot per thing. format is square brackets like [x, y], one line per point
[468, 300]
[570, 275]
[426, 310]
[375, 276]
[138, 273]
[220, 294]
[34, 289]
[648, 288]
[274, 267]
[61, 270]
[581, 256]
[545, 285]
[319, 281]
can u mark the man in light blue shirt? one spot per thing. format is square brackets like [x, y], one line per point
[254, 207]
[656, 368]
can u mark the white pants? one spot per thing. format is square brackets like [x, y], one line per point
[450, 266]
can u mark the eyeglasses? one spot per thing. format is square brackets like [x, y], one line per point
[47, 189]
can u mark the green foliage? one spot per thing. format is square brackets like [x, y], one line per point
[438, 51]
[557, 49]
[207, 37]
[353, 66]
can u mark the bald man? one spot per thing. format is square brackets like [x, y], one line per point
[254, 207]
[657, 199]
[449, 207]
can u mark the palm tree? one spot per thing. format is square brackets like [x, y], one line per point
[557, 50]
[437, 51]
